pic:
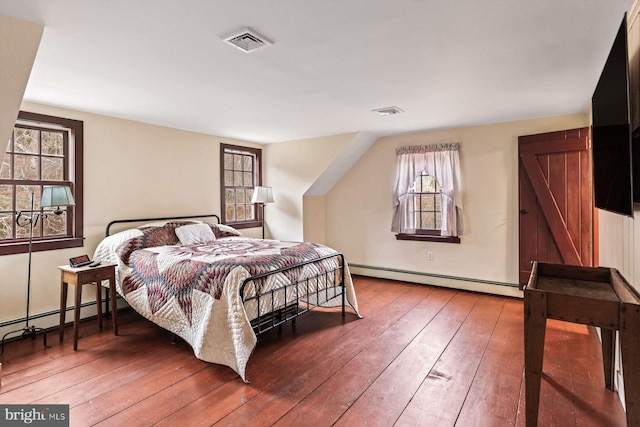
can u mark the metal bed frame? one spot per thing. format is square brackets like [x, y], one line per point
[276, 316]
[300, 303]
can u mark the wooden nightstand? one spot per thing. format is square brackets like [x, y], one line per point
[86, 276]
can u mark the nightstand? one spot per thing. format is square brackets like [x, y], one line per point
[86, 276]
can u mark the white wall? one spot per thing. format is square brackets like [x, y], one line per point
[131, 169]
[618, 241]
[359, 208]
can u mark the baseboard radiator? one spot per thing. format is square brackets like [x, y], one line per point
[50, 320]
[463, 283]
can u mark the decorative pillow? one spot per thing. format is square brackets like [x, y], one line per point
[151, 237]
[195, 234]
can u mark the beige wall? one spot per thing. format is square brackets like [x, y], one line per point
[291, 169]
[314, 220]
[19, 42]
[359, 207]
[131, 169]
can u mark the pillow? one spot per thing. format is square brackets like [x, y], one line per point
[195, 234]
[227, 231]
[150, 237]
[107, 248]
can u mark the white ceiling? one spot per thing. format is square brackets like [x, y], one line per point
[446, 63]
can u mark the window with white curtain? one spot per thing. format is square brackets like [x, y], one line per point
[427, 193]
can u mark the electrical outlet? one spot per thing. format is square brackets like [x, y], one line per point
[430, 256]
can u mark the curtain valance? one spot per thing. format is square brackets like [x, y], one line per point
[411, 149]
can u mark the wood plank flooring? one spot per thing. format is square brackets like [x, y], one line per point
[421, 356]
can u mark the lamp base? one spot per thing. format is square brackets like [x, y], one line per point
[27, 331]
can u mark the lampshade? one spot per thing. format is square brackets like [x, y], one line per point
[262, 195]
[56, 196]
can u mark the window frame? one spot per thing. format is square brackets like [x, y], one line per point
[421, 193]
[425, 234]
[257, 181]
[74, 178]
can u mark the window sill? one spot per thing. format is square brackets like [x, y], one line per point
[246, 224]
[41, 245]
[428, 238]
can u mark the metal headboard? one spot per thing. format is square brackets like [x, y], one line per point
[123, 221]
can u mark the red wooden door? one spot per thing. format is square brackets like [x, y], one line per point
[555, 199]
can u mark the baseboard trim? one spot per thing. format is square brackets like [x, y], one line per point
[50, 320]
[463, 283]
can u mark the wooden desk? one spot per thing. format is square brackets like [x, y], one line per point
[591, 296]
[85, 276]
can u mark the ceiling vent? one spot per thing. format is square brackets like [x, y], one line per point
[388, 111]
[247, 40]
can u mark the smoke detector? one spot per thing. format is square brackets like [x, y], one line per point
[247, 40]
[388, 111]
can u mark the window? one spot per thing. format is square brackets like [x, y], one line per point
[427, 194]
[427, 204]
[42, 150]
[240, 169]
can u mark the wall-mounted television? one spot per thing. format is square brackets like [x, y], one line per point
[611, 132]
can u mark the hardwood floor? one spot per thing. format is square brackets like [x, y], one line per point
[420, 356]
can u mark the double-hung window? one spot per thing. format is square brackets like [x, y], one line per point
[427, 196]
[241, 173]
[42, 151]
[427, 205]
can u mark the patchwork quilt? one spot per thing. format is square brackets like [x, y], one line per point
[194, 290]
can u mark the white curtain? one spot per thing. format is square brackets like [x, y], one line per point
[441, 161]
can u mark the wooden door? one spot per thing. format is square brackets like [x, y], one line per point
[555, 199]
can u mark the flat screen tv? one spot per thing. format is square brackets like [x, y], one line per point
[611, 133]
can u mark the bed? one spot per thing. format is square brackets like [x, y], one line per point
[216, 289]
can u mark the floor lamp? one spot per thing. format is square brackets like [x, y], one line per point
[262, 196]
[51, 196]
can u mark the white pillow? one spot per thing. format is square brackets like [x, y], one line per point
[106, 250]
[195, 234]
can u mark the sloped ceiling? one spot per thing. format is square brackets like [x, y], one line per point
[19, 42]
[445, 63]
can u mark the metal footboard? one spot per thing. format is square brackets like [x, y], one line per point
[288, 300]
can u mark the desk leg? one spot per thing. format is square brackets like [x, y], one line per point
[63, 307]
[99, 302]
[114, 307]
[76, 315]
[608, 352]
[629, 332]
[535, 324]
